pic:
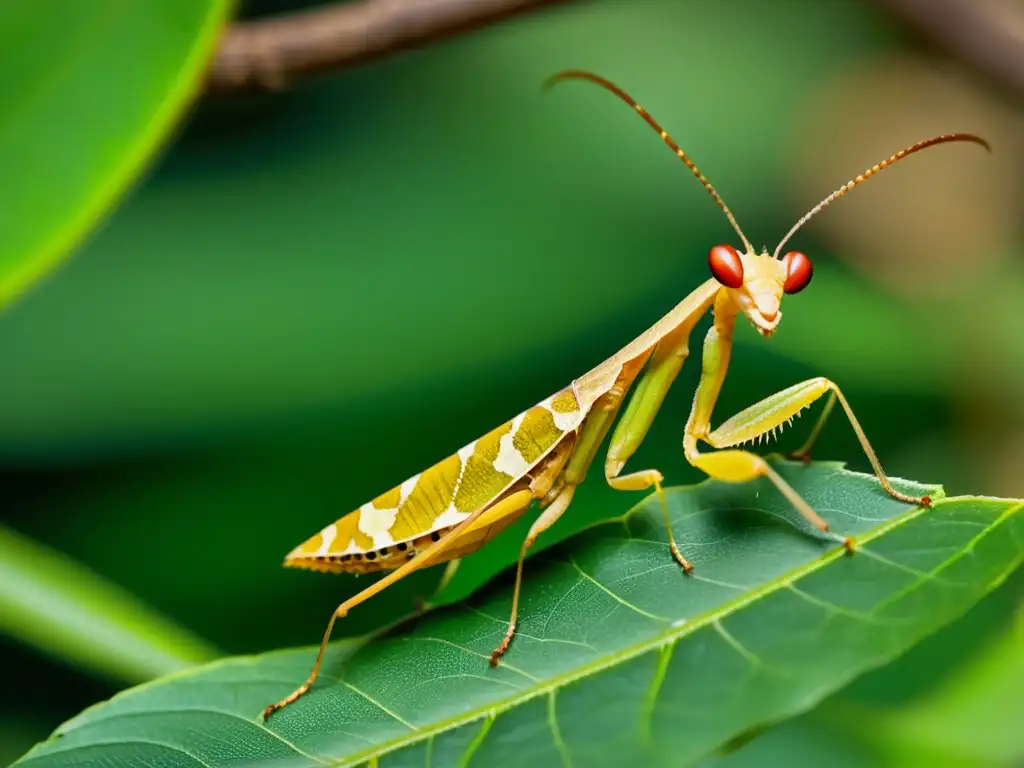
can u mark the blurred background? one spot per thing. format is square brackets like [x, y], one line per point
[317, 291]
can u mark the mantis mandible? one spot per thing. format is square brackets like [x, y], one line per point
[543, 454]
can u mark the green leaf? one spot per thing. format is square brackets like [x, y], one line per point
[57, 605]
[619, 656]
[90, 91]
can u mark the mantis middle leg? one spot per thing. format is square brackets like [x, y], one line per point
[662, 367]
[632, 428]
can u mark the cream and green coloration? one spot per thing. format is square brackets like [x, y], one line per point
[392, 528]
[543, 454]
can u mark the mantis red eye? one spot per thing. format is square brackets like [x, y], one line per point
[726, 266]
[798, 271]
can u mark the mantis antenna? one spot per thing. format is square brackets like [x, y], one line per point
[946, 137]
[583, 75]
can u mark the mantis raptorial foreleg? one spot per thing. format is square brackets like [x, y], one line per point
[776, 409]
[803, 453]
[762, 418]
[735, 466]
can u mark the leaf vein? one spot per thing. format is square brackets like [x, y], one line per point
[968, 549]
[134, 740]
[203, 711]
[556, 733]
[377, 704]
[838, 609]
[752, 658]
[618, 598]
[474, 745]
[442, 641]
[653, 690]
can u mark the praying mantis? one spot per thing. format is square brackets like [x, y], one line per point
[543, 454]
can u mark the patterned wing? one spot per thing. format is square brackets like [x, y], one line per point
[391, 528]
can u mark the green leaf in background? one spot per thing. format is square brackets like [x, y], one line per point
[619, 655]
[972, 720]
[90, 92]
[959, 714]
[57, 605]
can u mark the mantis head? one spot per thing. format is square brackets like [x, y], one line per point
[755, 282]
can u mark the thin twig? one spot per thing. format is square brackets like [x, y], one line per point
[988, 34]
[272, 53]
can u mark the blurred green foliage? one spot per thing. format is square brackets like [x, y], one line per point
[318, 292]
[55, 604]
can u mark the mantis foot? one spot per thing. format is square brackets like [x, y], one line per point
[498, 652]
[678, 557]
[799, 456]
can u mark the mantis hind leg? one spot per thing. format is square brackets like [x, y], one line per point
[422, 604]
[632, 428]
[643, 406]
[513, 503]
[448, 575]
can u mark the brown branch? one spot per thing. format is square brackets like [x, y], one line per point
[987, 34]
[272, 53]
